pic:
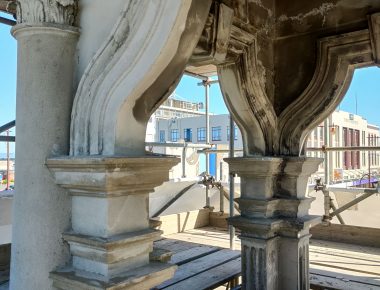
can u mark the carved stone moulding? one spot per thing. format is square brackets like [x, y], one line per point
[111, 239]
[132, 73]
[104, 177]
[374, 26]
[61, 12]
[273, 194]
[263, 130]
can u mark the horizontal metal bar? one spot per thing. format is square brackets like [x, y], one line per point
[367, 193]
[203, 78]
[7, 126]
[218, 150]
[210, 82]
[7, 21]
[347, 148]
[7, 139]
[179, 144]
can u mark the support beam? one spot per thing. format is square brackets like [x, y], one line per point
[367, 193]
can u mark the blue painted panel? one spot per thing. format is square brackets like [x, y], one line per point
[212, 164]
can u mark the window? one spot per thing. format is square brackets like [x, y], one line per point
[321, 134]
[364, 158]
[174, 135]
[201, 132]
[228, 133]
[347, 154]
[162, 136]
[363, 138]
[216, 133]
[188, 135]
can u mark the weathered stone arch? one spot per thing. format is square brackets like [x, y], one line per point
[275, 122]
[275, 113]
[337, 59]
[131, 74]
[264, 132]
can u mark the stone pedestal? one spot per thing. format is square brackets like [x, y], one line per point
[41, 210]
[111, 239]
[274, 221]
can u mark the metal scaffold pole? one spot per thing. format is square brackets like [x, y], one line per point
[8, 161]
[232, 183]
[207, 88]
[327, 154]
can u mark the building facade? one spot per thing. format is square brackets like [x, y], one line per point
[345, 130]
[193, 129]
[172, 108]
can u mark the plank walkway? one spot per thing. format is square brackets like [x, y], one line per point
[199, 266]
[332, 265]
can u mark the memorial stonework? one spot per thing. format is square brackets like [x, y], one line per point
[91, 73]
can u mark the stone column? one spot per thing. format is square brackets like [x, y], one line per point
[110, 240]
[274, 220]
[41, 210]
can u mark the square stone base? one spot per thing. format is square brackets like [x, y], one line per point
[144, 277]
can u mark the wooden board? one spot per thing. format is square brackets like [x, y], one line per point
[332, 264]
[200, 265]
[175, 246]
[193, 253]
[327, 280]
[211, 278]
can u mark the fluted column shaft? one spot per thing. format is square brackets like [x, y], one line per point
[274, 221]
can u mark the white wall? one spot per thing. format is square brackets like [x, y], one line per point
[5, 220]
[198, 122]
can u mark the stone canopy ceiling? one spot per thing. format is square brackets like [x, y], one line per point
[292, 61]
[287, 34]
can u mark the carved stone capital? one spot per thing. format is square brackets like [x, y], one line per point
[47, 11]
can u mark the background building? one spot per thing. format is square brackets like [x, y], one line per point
[345, 130]
[172, 108]
[193, 129]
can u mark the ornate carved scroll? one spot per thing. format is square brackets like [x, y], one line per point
[47, 11]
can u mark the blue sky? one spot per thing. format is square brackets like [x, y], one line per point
[8, 61]
[364, 87]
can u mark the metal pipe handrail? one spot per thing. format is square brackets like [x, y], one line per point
[208, 151]
[178, 145]
[7, 21]
[7, 126]
[345, 148]
[194, 75]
